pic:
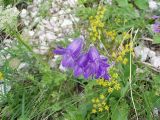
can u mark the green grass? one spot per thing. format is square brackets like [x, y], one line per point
[39, 92]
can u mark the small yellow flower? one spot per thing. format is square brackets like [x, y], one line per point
[119, 58]
[106, 107]
[115, 75]
[100, 109]
[102, 96]
[114, 82]
[105, 83]
[99, 105]
[94, 110]
[125, 61]
[110, 90]
[97, 100]
[117, 86]
[103, 103]
[1, 76]
[109, 84]
[114, 55]
[94, 105]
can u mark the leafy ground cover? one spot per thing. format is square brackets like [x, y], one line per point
[100, 77]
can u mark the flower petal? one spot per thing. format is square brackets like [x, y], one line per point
[68, 61]
[77, 71]
[83, 60]
[76, 46]
[60, 51]
[93, 53]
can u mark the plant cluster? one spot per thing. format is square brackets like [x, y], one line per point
[102, 79]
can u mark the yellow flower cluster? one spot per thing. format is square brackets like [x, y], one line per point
[120, 56]
[111, 34]
[126, 35]
[1, 76]
[99, 104]
[111, 85]
[97, 24]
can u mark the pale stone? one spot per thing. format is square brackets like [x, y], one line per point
[31, 33]
[155, 61]
[141, 52]
[151, 53]
[22, 65]
[23, 13]
[50, 35]
[153, 5]
[66, 22]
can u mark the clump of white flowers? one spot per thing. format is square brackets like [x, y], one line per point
[8, 17]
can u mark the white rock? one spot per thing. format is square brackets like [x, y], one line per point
[153, 5]
[141, 52]
[61, 12]
[151, 53]
[155, 61]
[22, 65]
[31, 33]
[33, 14]
[26, 22]
[50, 35]
[155, 112]
[42, 37]
[23, 13]
[72, 3]
[49, 26]
[56, 29]
[41, 50]
[53, 20]
[36, 20]
[66, 23]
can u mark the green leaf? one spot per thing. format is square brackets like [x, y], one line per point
[119, 110]
[156, 39]
[124, 89]
[122, 3]
[142, 4]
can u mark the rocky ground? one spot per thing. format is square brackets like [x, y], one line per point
[45, 22]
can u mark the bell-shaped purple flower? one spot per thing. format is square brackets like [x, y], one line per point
[81, 62]
[89, 64]
[156, 27]
[96, 66]
[71, 53]
[155, 17]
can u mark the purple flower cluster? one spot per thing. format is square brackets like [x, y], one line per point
[156, 27]
[88, 64]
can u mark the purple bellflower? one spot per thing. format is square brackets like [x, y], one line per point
[155, 17]
[71, 53]
[156, 27]
[89, 64]
[97, 66]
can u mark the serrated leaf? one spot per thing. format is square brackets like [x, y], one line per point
[142, 4]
